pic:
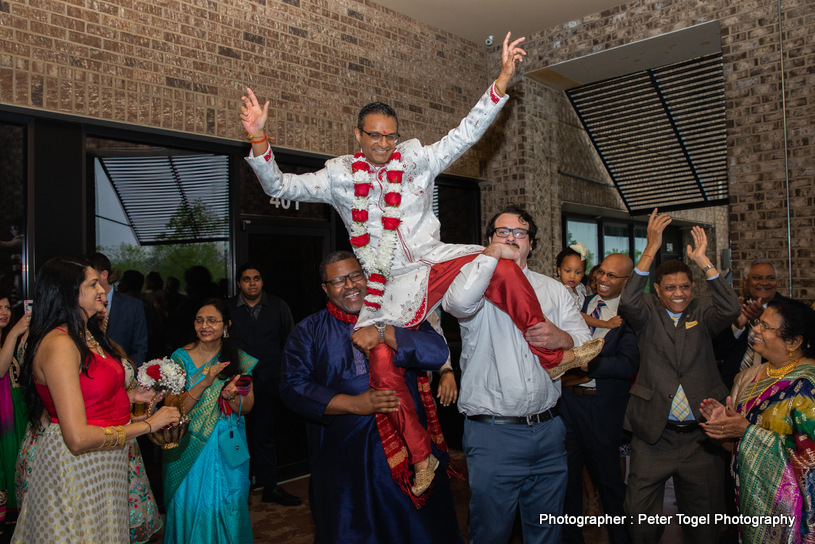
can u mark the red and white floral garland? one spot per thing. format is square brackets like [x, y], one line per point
[376, 264]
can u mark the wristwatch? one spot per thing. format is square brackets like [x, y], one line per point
[380, 328]
[708, 267]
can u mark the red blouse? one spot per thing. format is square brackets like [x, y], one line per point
[103, 390]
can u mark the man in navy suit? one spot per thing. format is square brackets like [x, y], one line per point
[125, 322]
[592, 403]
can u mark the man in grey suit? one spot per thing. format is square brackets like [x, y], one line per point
[677, 371]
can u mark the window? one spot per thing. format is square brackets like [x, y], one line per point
[12, 213]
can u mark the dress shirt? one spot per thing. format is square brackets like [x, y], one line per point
[499, 373]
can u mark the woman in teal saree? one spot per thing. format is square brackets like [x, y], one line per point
[206, 498]
[769, 425]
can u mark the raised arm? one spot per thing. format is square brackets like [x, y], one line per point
[510, 54]
[7, 351]
[253, 119]
[656, 225]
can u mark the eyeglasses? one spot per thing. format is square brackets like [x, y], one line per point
[682, 287]
[609, 275]
[211, 321]
[764, 325]
[392, 138]
[339, 281]
[503, 232]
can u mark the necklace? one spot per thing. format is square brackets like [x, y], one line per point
[781, 372]
[93, 344]
[207, 358]
[377, 264]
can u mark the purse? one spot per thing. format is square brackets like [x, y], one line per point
[233, 445]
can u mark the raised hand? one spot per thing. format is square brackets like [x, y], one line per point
[253, 117]
[697, 254]
[656, 225]
[510, 53]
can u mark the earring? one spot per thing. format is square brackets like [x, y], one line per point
[789, 351]
[226, 335]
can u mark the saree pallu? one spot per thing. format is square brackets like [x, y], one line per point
[13, 420]
[206, 499]
[774, 462]
[76, 499]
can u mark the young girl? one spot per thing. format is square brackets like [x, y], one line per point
[571, 269]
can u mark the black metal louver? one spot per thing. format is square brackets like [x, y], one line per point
[661, 133]
[173, 199]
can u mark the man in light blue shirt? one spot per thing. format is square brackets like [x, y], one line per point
[513, 435]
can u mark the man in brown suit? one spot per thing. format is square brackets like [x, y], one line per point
[677, 371]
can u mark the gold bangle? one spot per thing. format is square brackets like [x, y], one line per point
[189, 394]
[109, 439]
[121, 436]
[149, 427]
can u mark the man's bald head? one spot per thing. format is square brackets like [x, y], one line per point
[612, 275]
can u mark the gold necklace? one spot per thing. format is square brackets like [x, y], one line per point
[777, 374]
[780, 372]
[93, 344]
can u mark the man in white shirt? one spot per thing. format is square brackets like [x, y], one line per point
[513, 435]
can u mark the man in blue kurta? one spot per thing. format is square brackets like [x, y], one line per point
[325, 378]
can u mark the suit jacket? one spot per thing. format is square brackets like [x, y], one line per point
[670, 355]
[730, 350]
[264, 337]
[617, 362]
[127, 326]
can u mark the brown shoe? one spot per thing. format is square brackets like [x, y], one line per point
[582, 355]
[423, 478]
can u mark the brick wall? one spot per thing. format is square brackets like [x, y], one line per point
[182, 65]
[755, 137]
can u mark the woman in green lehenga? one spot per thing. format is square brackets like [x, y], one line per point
[769, 425]
[207, 500]
[13, 414]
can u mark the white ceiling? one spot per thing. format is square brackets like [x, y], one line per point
[477, 19]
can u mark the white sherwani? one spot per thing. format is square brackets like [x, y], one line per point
[419, 246]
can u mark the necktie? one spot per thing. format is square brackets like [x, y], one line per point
[749, 355]
[596, 313]
[680, 408]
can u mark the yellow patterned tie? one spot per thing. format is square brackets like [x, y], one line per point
[680, 408]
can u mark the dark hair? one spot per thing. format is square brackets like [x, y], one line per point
[247, 266]
[593, 270]
[376, 108]
[797, 319]
[332, 258]
[674, 266]
[153, 281]
[56, 290]
[524, 215]
[98, 261]
[565, 252]
[4, 331]
[131, 281]
[229, 348]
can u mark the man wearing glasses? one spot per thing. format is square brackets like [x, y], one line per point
[677, 371]
[513, 434]
[326, 379]
[384, 195]
[593, 404]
